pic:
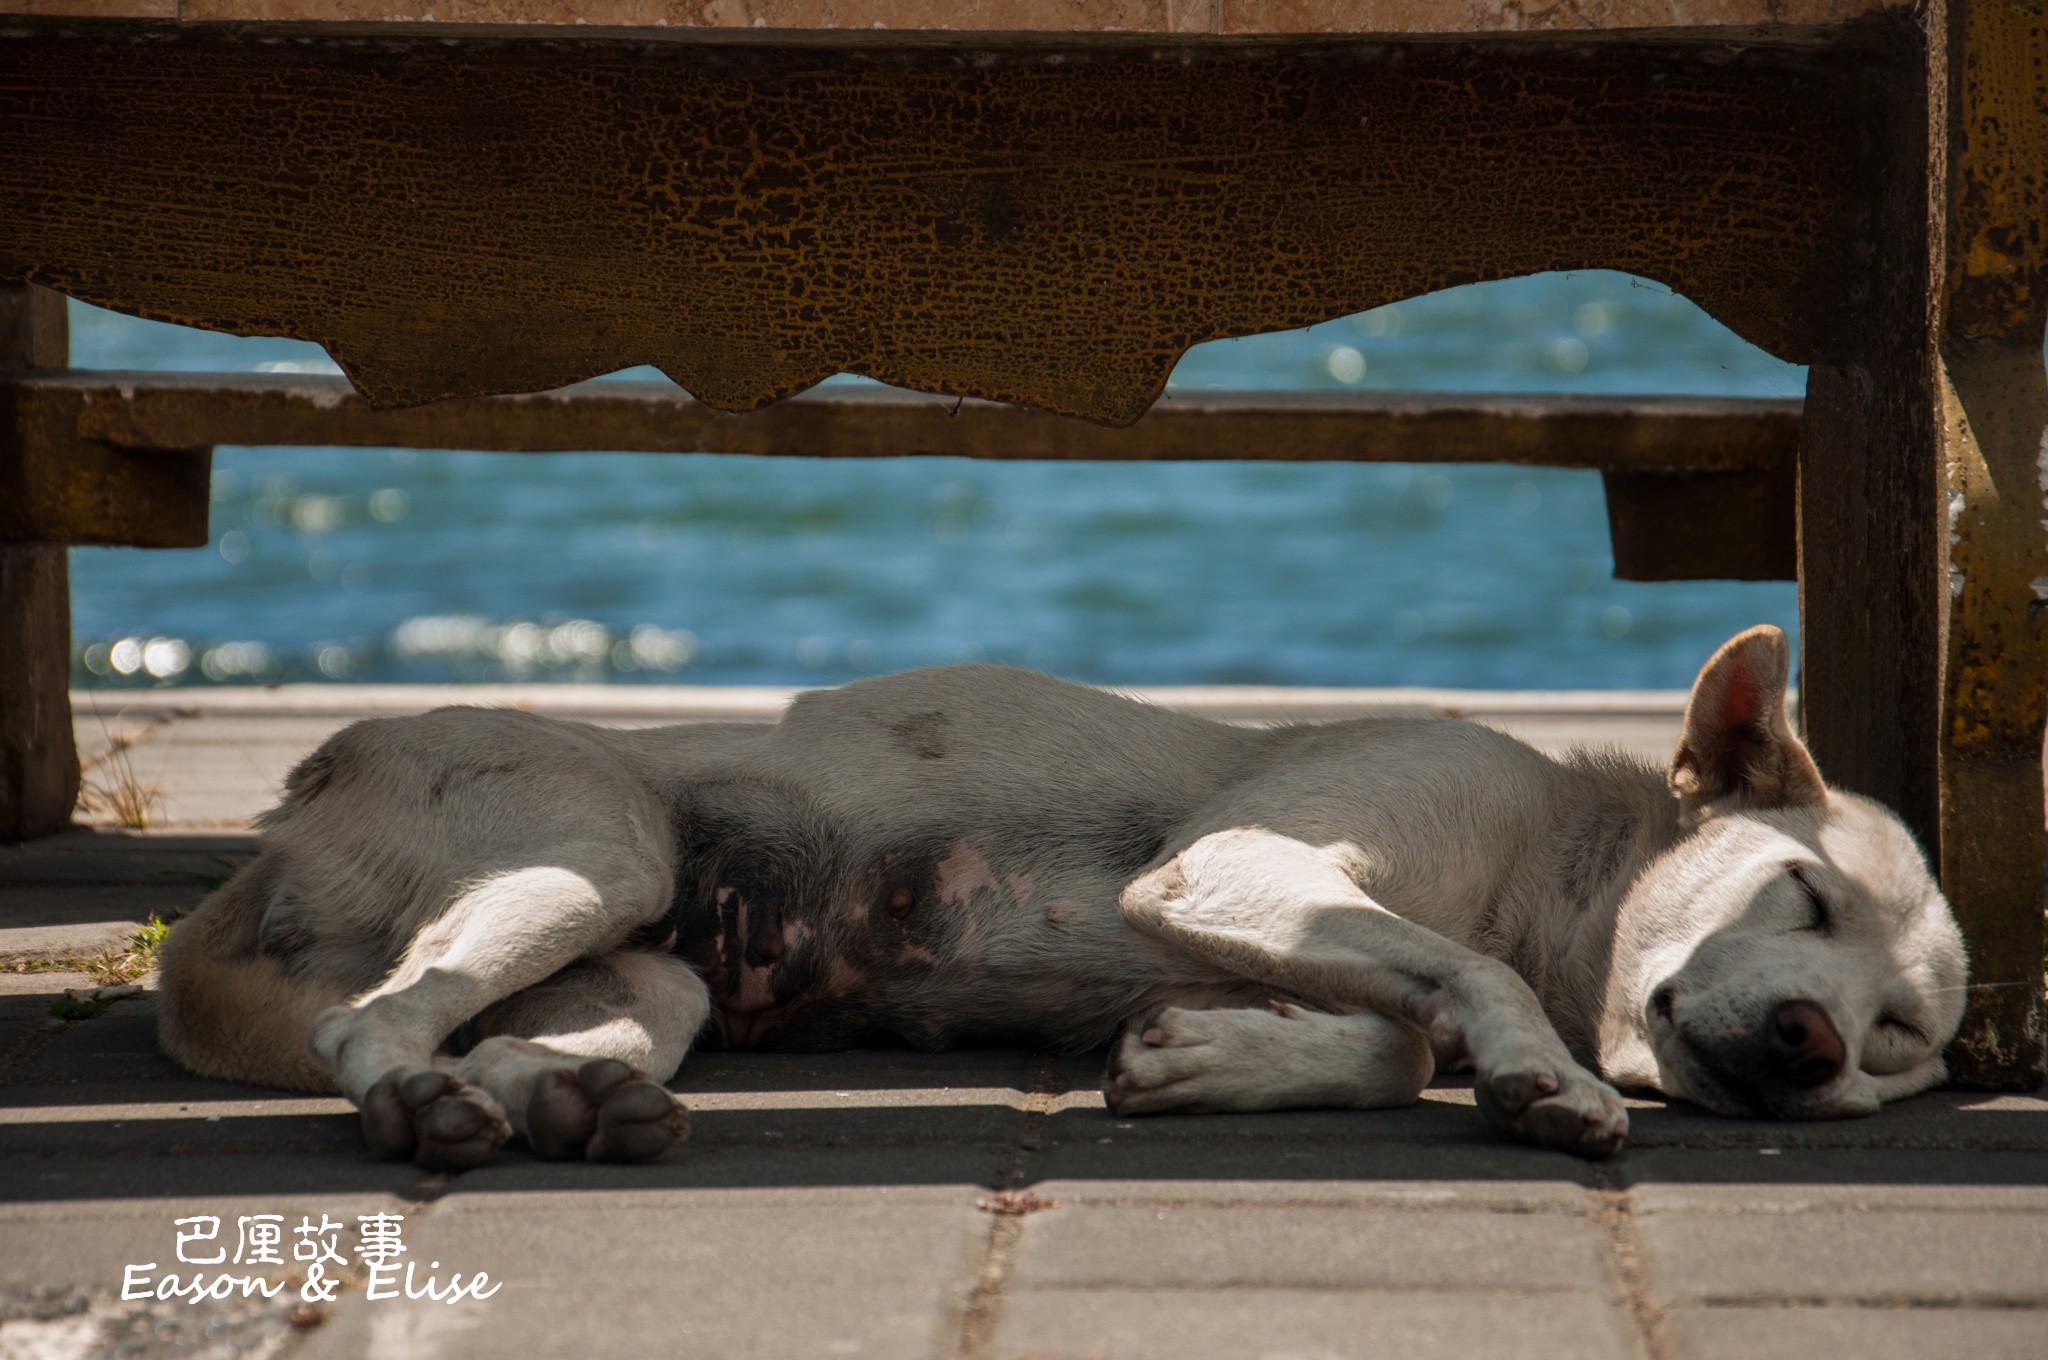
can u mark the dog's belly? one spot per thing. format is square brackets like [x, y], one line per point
[930, 950]
[936, 858]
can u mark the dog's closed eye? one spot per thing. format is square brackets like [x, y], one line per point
[1903, 1028]
[1821, 921]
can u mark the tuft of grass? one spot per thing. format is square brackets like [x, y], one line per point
[108, 786]
[132, 959]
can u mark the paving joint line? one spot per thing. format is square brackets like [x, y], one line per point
[1933, 1303]
[1612, 1211]
[985, 1297]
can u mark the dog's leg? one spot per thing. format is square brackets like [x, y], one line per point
[1285, 1057]
[1270, 907]
[502, 934]
[577, 1061]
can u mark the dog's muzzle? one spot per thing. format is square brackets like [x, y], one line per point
[1769, 1068]
[1804, 1048]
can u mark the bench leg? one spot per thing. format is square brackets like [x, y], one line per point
[1925, 633]
[1993, 305]
[38, 760]
[1995, 699]
[38, 757]
[1869, 575]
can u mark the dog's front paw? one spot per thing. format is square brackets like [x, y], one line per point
[1555, 1105]
[604, 1111]
[434, 1117]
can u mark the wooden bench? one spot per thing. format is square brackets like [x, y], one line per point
[1044, 207]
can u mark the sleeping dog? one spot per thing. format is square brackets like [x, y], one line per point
[481, 924]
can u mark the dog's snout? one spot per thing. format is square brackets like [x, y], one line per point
[1805, 1048]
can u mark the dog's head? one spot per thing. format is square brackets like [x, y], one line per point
[1791, 956]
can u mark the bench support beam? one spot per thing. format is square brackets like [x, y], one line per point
[38, 757]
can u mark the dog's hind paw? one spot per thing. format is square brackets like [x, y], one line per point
[603, 1111]
[1157, 1067]
[1559, 1106]
[435, 1118]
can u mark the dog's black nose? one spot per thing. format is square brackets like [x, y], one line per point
[1805, 1048]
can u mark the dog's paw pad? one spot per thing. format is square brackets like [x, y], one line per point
[637, 1122]
[443, 1123]
[1569, 1110]
[387, 1122]
[561, 1116]
[604, 1111]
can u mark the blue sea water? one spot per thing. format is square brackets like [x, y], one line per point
[391, 565]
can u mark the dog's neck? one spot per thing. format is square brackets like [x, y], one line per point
[1611, 817]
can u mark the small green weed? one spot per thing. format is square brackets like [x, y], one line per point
[111, 967]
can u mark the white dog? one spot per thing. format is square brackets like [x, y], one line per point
[491, 923]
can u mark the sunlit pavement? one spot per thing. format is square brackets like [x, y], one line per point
[892, 1204]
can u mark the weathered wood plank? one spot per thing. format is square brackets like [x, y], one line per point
[1622, 434]
[1109, 18]
[38, 760]
[1697, 526]
[58, 486]
[1696, 487]
[1029, 223]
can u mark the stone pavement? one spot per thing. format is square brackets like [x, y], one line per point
[977, 1204]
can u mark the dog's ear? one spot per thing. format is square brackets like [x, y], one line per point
[1737, 741]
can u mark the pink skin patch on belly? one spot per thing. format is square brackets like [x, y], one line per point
[963, 874]
[844, 979]
[854, 909]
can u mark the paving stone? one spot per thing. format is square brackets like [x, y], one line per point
[876, 1096]
[19, 1029]
[1866, 1333]
[1281, 1324]
[1439, 1120]
[1840, 1179]
[86, 1243]
[1937, 1119]
[685, 1275]
[103, 855]
[862, 1071]
[1287, 1159]
[64, 939]
[119, 1046]
[55, 1182]
[30, 995]
[812, 1174]
[1446, 1192]
[92, 903]
[204, 1128]
[1086, 1246]
[1959, 1257]
[906, 1123]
